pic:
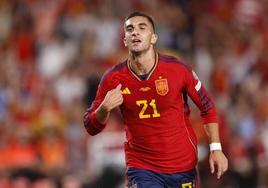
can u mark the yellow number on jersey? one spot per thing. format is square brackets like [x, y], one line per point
[144, 107]
[153, 105]
[187, 185]
[144, 104]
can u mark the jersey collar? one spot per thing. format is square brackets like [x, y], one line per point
[150, 72]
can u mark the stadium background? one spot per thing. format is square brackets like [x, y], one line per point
[53, 52]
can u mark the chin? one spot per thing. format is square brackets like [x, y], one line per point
[136, 50]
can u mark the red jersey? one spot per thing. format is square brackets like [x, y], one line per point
[155, 114]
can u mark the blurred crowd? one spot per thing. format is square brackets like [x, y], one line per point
[52, 56]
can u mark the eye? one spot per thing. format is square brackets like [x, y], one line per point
[142, 26]
[129, 29]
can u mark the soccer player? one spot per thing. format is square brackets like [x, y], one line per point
[151, 90]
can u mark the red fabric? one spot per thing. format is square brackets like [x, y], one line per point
[158, 137]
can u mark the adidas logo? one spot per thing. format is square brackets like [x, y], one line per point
[126, 91]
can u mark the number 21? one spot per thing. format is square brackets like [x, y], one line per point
[144, 104]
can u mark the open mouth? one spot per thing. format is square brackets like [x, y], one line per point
[136, 41]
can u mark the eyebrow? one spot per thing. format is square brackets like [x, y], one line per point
[143, 24]
[140, 24]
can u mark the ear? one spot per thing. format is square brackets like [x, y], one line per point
[125, 42]
[154, 38]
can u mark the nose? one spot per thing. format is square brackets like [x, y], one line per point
[135, 32]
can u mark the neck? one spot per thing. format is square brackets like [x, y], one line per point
[142, 63]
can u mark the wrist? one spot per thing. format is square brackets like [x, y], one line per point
[104, 108]
[215, 146]
[102, 114]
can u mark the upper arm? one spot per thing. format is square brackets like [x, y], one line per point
[197, 92]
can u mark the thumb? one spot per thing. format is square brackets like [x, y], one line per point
[118, 87]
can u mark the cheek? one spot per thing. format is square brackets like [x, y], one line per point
[127, 40]
[148, 39]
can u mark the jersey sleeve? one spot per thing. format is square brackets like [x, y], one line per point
[92, 125]
[197, 92]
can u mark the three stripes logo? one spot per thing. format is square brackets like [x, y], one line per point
[126, 91]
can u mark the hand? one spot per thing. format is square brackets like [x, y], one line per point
[112, 99]
[217, 158]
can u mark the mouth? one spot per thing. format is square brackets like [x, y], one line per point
[136, 41]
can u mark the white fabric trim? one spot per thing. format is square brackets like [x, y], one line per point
[198, 85]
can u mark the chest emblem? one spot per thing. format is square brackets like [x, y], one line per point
[161, 86]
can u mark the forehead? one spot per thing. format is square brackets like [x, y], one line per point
[136, 20]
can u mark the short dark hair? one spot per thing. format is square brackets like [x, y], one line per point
[137, 13]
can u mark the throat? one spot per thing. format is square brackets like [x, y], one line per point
[143, 66]
[141, 72]
[141, 69]
[144, 76]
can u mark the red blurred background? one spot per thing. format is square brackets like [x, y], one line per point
[53, 53]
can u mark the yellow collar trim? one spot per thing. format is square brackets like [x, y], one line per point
[151, 71]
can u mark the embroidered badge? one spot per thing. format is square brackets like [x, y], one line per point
[161, 86]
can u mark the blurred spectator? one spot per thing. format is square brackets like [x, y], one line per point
[69, 86]
[52, 54]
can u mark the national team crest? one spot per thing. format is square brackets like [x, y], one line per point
[161, 86]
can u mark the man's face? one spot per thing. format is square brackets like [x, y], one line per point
[139, 34]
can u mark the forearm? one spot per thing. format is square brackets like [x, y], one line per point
[102, 114]
[212, 130]
[217, 159]
[91, 123]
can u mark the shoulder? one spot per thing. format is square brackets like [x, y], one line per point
[175, 61]
[108, 74]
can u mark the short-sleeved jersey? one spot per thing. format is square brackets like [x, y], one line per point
[155, 113]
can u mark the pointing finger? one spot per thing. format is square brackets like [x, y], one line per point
[118, 87]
